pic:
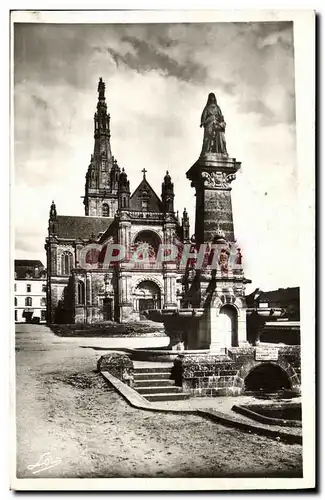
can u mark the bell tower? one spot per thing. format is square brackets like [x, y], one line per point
[101, 179]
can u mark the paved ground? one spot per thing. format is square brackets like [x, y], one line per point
[65, 408]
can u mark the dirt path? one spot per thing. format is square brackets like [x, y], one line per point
[66, 409]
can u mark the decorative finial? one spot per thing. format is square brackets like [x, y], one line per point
[144, 171]
[53, 210]
[101, 89]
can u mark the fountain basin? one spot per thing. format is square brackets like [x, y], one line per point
[283, 414]
[266, 312]
[159, 315]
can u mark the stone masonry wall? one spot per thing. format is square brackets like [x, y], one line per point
[210, 375]
[224, 375]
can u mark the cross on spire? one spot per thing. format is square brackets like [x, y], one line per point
[144, 172]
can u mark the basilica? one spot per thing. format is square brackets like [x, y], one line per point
[138, 219]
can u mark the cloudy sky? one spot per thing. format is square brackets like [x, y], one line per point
[157, 80]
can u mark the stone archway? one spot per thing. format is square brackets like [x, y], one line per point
[146, 295]
[228, 325]
[148, 235]
[288, 372]
[269, 377]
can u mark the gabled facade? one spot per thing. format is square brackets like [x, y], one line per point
[30, 291]
[140, 221]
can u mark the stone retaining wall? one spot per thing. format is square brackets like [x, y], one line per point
[209, 375]
[119, 365]
[224, 375]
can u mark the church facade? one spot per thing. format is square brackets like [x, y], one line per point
[140, 222]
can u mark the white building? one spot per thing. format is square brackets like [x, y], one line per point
[30, 291]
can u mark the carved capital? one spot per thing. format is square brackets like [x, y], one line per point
[217, 180]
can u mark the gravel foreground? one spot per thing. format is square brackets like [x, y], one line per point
[66, 409]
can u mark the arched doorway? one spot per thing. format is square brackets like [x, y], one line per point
[228, 325]
[147, 295]
[267, 377]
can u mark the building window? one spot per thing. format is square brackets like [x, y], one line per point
[81, 293]
[66, 263]
[28, 301]
[43, 315]
[16, 302]
[16, 315]
[15, 287]
[43, 288]
[105, 210]
[28, 288]
[43, 301]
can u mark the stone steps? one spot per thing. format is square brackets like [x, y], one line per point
[146, 375]
[156, 384]
[144, 391]
[159, 369]
[167, 396]
[153, 382]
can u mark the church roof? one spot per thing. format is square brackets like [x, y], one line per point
[281, 295]
[28, 263]
[73, 227]
[24, 267]
[144, 189]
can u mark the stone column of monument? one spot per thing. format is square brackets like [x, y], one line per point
[51, 247]
[124, 298]
[220, 291]
[169, 268]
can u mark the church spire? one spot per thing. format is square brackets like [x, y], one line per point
[123, 191]
[167, 193]
[102, 125]
[185, 226]
[53, 221]
[101, 183]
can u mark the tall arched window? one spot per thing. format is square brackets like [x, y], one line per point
[28, 301]
[66, 263]
[105, 210]
[43, 301]
[16, 301]
[81, 293]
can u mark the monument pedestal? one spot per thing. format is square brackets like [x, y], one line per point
[218, 289]
[211, 176]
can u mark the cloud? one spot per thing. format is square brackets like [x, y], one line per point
[157, 81]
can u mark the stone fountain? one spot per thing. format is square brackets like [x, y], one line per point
[208, 333]
[214, 316]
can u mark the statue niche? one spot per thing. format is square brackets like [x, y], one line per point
[212, 120]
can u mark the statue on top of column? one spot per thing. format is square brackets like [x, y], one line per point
[212, 120]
